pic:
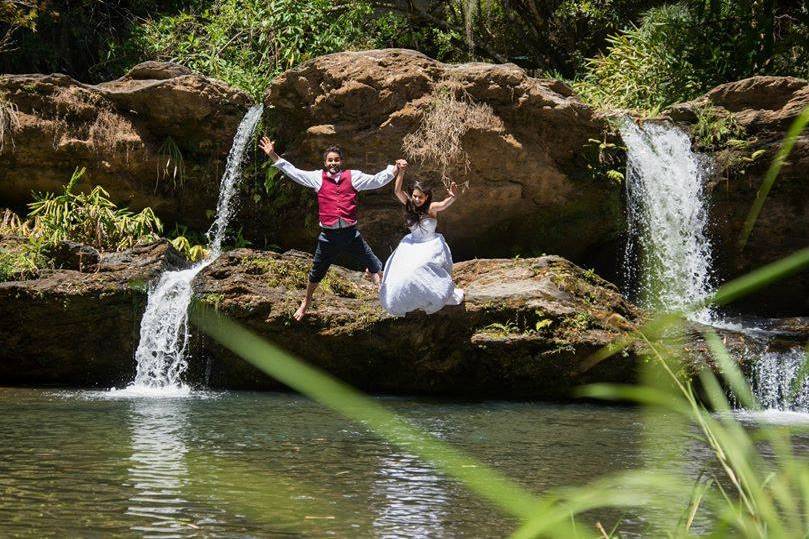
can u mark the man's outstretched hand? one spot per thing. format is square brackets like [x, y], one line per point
[268, 146]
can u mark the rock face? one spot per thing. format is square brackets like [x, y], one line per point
[764, 107]
[523, 332]
[530, 188]
[71, 328]
[130, 134]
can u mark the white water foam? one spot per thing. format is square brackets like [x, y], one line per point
[164, 334]
[668, 257]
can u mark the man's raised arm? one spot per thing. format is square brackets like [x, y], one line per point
[307, 178]
[365, 182]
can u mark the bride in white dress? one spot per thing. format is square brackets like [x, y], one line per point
[418, 275]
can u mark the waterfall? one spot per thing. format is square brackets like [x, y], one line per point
[160, 355]
[668, 258]
[774, 379]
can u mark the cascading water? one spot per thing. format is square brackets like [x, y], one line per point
[774, 380]
[164, 328]
[667, 218]
[668, 257]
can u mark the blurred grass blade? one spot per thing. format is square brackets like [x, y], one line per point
[639, 394]
[498, 489]
[756, 279]
[800, 377]
[730, 371]
[769, 178]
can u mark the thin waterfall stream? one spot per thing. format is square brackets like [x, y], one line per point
[160, 355]
[668, 259]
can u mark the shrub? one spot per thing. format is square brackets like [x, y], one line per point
[90, 218]
[682, 50]
[645, 67]
[247, 42]
[714, 127]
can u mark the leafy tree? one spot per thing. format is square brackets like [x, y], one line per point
[15, 15]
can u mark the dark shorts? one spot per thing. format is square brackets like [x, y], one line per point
[331, 243]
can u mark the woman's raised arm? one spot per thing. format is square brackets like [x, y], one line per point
[436, 207]
[397, 188]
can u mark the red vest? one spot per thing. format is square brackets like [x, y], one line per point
[337, 200]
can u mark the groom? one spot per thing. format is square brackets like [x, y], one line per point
[337, 205]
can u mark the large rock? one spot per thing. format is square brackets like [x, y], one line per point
[524, 332]
[69, 328]
[124, 132]
[531, 191]
[764, 107]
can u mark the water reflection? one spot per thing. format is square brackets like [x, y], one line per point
[158, 471]
[410, 498]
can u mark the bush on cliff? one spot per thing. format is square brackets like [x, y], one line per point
[247, 42]
[682, 50]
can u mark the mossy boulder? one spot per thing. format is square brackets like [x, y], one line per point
[524, 331]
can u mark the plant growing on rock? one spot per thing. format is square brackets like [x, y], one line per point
[716, 126]
[9, 121]
[437, 144]
[170, 163]
[90, 218]
[194, 253]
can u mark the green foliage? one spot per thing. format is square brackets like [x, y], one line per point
[645, 67]
[14, 16]
[90, 218]
[247, 42]
[170, 164]
[681, 50]
[20, 263]
[194, 253]
[79, 37]
[501, 329]
[603, 158]
[715, 127]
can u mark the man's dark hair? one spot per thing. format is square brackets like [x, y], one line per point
[336, 149]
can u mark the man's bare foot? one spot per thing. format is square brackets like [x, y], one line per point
[301, 312]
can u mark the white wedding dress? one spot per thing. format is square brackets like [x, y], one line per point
[418, 274]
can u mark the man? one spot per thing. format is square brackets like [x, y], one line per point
[337, 206]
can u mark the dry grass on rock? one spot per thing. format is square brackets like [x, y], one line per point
[93, 119]
[437, 145]
[9, 121]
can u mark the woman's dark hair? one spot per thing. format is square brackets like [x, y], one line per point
[414, 214]
[333, 149]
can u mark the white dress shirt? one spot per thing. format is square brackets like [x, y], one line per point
[314, 179]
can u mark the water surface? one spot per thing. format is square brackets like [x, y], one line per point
[257, 464]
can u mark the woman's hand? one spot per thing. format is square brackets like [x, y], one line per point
[453, 189]
[401, 165]
[268, 146]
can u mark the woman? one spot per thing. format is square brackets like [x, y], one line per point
[418, 275]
